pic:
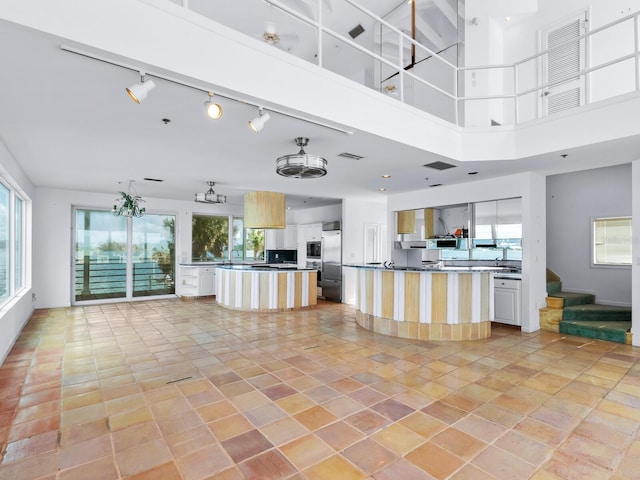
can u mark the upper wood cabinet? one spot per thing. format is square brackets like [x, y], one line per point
[428, 223]
[406, 221]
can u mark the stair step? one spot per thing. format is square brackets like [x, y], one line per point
[572, 298]
[553, 287]
[613, 331]
[597, 313]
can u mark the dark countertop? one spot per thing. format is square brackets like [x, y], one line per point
[507, 272]
[274, 267]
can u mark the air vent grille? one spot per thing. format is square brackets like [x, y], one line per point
[439, 165]
[355, 31]
[351, 156]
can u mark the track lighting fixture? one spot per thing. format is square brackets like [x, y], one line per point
[257, 123]
[213, 110]
[138, 91]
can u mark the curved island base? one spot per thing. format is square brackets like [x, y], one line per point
[265, 289]
[425, 305]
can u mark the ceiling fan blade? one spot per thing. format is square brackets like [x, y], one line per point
[290, 38]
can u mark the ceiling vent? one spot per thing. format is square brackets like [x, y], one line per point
[355, 31]
[439, 165]
[351, 156]
[148, 179]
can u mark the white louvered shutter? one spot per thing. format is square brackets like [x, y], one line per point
[566, 90]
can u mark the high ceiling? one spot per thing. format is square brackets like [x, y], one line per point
[69, 124]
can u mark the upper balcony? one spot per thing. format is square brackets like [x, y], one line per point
[472, 67]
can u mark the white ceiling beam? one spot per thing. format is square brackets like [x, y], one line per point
[448, 11]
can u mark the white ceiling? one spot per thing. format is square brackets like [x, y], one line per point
[69, 124]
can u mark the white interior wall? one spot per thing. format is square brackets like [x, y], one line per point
[356, 214]
[521, 39]
[635, 249]
[572, 200]
[15, 313]
[318, 214]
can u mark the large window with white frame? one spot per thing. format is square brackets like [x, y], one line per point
[611, 241]
[12, 243]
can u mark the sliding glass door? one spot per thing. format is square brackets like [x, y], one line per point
[122, 258]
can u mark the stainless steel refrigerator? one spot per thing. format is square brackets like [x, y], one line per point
[331, 278]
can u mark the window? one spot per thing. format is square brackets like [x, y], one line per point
[12, 243]
[611, 241]
[5, 250]
[209, 238]
[122, 258]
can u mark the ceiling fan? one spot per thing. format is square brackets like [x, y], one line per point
[285, 42]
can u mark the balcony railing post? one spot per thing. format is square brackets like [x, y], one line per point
[400, 69]
[320, 33]
[516, 120]
[635, 49]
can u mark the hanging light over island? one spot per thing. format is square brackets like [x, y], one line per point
[265, 210]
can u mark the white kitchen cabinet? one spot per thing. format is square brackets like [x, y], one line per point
[291, 237]
[281, 239]
[507, 302]
[197, 281]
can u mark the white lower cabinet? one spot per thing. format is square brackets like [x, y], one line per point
[197, 281]
[507, 301]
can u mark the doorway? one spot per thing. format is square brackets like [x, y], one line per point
[122, 258]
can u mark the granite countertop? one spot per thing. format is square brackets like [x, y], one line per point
[265, 267]
[512, 272]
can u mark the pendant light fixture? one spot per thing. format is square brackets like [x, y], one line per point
[265, 210]
[138, 91]
[301, 164]
[212, 109]
[210, 196]
[128, 205]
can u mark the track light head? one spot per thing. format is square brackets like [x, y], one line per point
[257, 123]
[138, 91]
[212, 109]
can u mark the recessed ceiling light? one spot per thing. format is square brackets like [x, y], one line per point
[507, 19]
[386, 176]
[435, 185]
[564, 155]
[472, 173]
[382, 189]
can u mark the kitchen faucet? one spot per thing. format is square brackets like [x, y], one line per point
[498, 261]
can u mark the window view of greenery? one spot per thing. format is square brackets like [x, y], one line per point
[612, 241]
[210, 238]
[255, 244]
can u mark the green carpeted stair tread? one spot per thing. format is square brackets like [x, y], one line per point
[573, 298]
[613, 331]
[597, 312]
[553, 287]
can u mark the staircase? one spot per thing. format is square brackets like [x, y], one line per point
[578, 314]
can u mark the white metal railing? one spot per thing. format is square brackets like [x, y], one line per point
[456, 104]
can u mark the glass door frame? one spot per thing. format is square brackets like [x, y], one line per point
[129, 297]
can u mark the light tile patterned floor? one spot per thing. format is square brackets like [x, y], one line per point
[170, 389]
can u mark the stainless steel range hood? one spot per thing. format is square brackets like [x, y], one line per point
[407, 244]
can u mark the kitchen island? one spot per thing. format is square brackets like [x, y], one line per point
[450, 304]
[266, 288]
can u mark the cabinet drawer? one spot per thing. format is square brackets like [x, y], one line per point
[506, 283]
